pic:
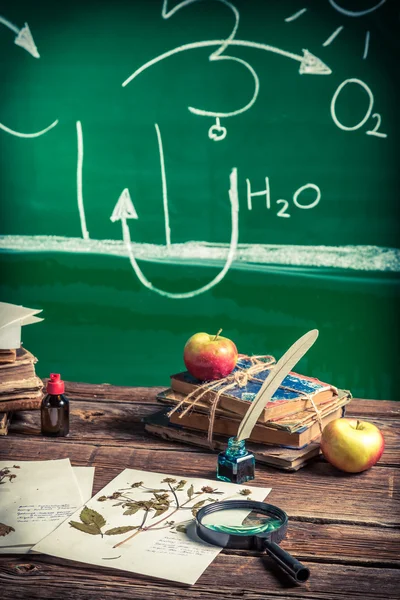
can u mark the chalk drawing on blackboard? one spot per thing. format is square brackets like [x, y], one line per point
[234, 201]
[296, 15]
[24, 37]
[309, 64]
[355, 13]
[28, 135]
[347, 13]
[367, 115]
[320, 261]
[333, 36]
[217, 132]
[124, 208]
[79, 167]
[366, 45]
[164, 186]
[167, 14]
[283, 211]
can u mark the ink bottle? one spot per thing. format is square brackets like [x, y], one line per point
[54, 411]
[236, 464]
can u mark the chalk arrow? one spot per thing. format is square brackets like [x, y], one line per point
[313, 65]
[24, 37]
[124, 208]
[309, 64]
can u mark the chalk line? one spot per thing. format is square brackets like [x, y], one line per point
[210, 113]
[333, 36]
[24, 37]
[28, 135]
[215, 56]
[355, 13]
[81, 208]
[316, 66]
[258, 257]
[164, 187]
[296, 15]
[366, 46]
[234, 200]
[166, 15]
[124, 208]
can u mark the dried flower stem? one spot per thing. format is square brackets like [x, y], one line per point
[157, 522]
[174, 493]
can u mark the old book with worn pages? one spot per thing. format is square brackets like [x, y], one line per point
[293, 395]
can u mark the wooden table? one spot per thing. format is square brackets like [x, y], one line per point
[343, 527]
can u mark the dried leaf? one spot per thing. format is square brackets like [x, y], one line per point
[119, 530]
[92, 528]
[190, 492]
[91, 517]
[160, 511]
[199, 504]
[181, 485]
[5, 529]
[132, 510]
[181, 528]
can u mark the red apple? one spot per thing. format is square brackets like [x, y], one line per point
[210, 356]
[351, 445]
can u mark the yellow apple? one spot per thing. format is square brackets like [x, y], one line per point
[351, 445]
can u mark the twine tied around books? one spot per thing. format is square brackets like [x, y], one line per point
[240, 377]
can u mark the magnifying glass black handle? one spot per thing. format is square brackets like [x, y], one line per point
[290, 565]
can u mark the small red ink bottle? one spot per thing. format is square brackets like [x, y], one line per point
[54, 410]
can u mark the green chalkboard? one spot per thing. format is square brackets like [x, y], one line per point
[173, 167]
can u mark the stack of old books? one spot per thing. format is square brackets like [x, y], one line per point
[20, 388]
[287, 433]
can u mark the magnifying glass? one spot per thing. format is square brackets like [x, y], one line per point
[246, 524]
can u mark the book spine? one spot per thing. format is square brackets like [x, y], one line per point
[17, 405]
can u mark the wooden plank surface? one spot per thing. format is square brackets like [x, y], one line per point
[344, 527]
[231, 576]
[320, 493]
[119, 423]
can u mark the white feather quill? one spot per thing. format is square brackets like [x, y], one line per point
[273, 381]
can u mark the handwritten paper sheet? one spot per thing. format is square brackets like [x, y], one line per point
[84, 477]
[142, 522]
[35, 497]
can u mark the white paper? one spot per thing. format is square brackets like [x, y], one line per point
[160, 551]
[84, 477]
[39, 496]
[12, 317]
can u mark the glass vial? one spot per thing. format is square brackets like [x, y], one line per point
[236, 464]
[54, 411]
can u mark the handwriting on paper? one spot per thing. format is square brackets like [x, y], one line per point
[34, 513]
[168, 545]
